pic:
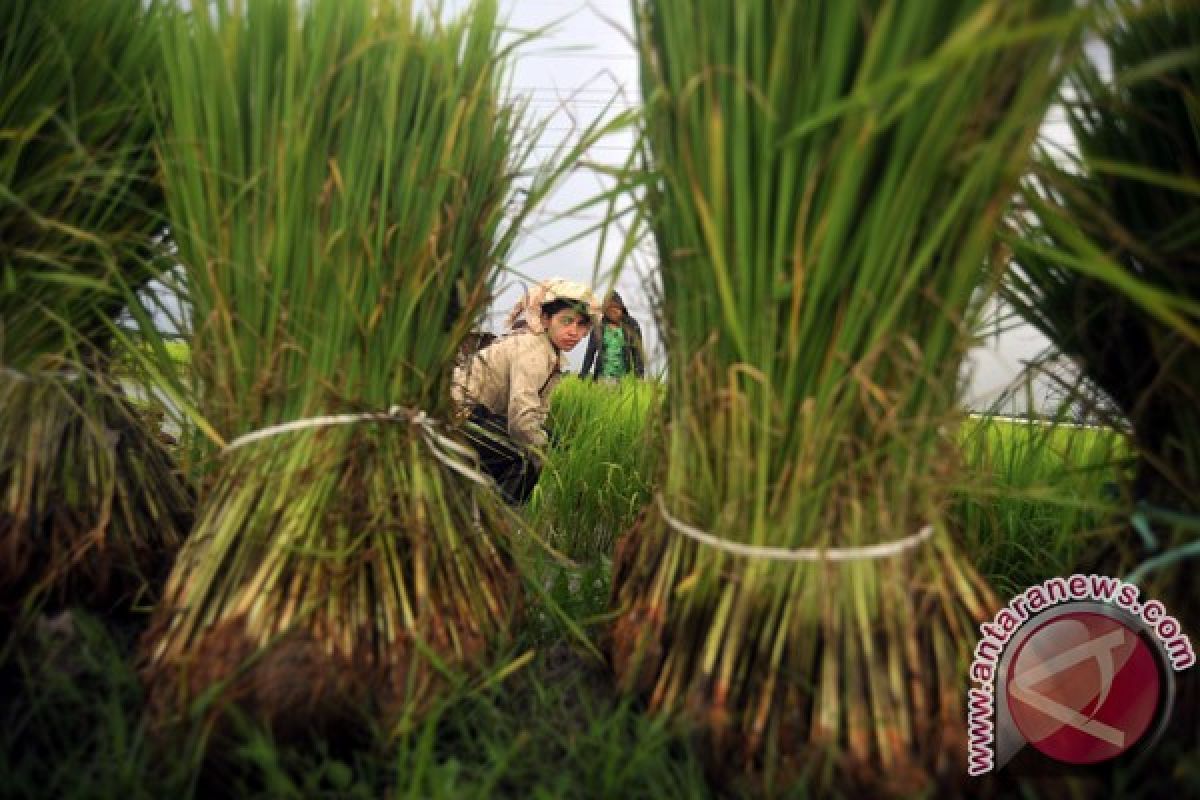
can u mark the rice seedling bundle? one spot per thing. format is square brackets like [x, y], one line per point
[823, 184]
[339, 175]
[91, 506]
[1107, 255]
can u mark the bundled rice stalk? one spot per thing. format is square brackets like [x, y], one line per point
[91, 505]
[825, 181]
[339, 176]
[1107, 255]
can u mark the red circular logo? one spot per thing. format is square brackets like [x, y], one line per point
[1083, 688]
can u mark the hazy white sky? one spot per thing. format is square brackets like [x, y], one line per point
[582, 68]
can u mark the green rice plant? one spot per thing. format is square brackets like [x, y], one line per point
[81, 196]
[1105, 260]
[341, 178]
[73, 728]
[1106, 265]
[596, 479]
[553, 730]
[1033, 500]
[91, 505]
[823, 183]
[70, 722]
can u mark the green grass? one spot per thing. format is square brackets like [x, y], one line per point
[552, 729]
[1036, 499]
[130, 365]
[179, 352]
[599, 475]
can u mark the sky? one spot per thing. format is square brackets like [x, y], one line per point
[581, 70]
[585, 59]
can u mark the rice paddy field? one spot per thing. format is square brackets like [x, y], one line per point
[1034, 501]
[258, 556]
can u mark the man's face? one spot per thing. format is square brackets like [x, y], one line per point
[566, 328]
[612, 312]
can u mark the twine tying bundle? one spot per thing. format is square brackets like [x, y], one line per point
[450, 453]
[859, 553]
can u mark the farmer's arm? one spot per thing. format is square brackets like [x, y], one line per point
[526, 410]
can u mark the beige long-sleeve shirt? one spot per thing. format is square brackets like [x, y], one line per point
[513, 376]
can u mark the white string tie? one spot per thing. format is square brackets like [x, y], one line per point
[452, 454]
[860, 553]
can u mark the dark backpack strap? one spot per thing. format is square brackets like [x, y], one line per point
[549, 378]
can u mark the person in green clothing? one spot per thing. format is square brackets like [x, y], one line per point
[614, 349]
